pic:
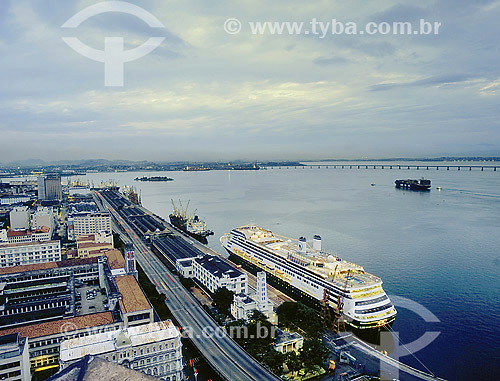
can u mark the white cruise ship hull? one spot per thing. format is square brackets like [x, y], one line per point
[368, 312]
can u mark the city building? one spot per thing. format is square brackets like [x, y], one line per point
[244, 305]
[20, 218]
[116, 262]
[134, 306]
[14, 199]
[154, 349]
[43, 216]
[19, 236]
[68, 299]
[86, 223]
[288, 341]
[49, 187]
[214, 273]
[209, 271]
[130, 265]
[90, 368]
[94, 244]
[24, 253]
[14, 358]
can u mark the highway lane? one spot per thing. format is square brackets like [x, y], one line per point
[225, 356]
[373, 359]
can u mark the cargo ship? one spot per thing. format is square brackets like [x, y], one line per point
[416, 185]
[191, 225]
[315, 275]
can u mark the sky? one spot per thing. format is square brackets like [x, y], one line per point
[205, 94]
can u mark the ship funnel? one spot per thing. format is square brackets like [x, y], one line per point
[302, 244]
[317, 243]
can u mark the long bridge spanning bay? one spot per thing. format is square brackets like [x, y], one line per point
[436, 167]
[224, 355]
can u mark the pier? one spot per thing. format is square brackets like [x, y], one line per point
[134, 224]
[435, 167]
[226, 357]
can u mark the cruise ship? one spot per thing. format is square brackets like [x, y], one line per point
[314, 274]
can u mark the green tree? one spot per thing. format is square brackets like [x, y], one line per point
[295, 315]
[257, 316]
[314, 352]
[261, 336]
[293, 362]
[274, 360]
[222, 299]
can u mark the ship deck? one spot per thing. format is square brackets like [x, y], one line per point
[332, 269]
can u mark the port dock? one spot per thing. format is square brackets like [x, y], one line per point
[370, 360]
[226, 357]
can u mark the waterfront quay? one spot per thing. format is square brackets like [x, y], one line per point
[226, 357]
[230, 361]
[361, 358]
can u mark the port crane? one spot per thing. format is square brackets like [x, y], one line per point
[181, 211]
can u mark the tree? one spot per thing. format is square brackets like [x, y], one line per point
[274, 360]
[223, 299]
[257, 316]
[314, 352]
[186, 282]
[287, 314]
[261, 336]
[293, 362]
[295, 315]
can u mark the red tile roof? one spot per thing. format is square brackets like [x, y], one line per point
[47, 265]
[61, 326]
[133, 299]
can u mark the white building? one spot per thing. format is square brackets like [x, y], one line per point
[14, 199]
[87, 223]
[288, 341]
[244, 305]
[14, 358]
[20, 218]
[154, 349]
[21, 236]
[27, 253]
[43, 216]
[214, 273]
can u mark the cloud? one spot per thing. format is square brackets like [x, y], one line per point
[213, 95]
[441, 80]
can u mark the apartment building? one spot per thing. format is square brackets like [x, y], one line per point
[25, 253]
[154, 349]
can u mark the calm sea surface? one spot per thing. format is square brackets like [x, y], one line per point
[440, 249]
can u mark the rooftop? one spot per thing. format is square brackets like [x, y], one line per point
[115, 259]
[3, 245]
[217, 266]
[86, 245]
[105, 342]
[47, 265]
[19, 233]
[283, 337]
[93, 368]
[133, 299]
[61, 326]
